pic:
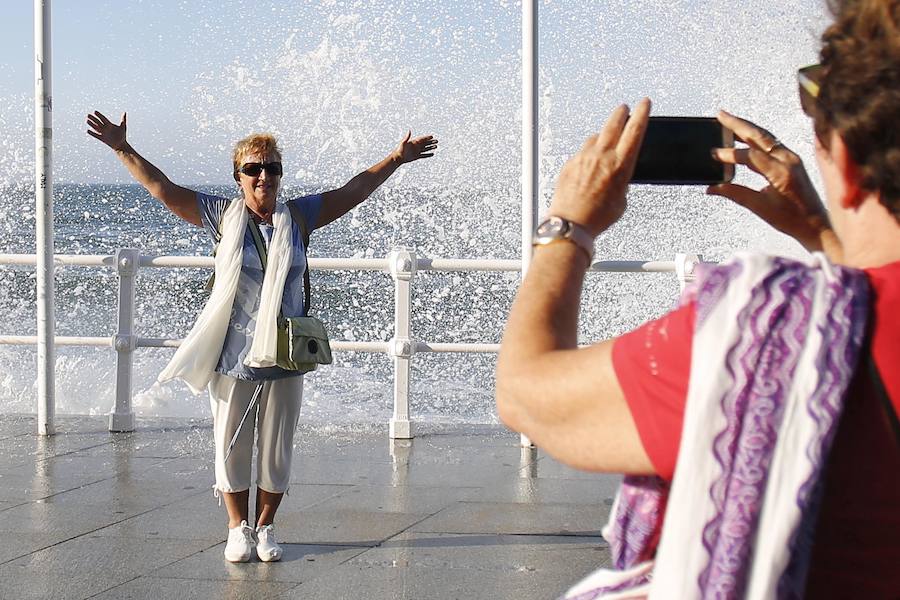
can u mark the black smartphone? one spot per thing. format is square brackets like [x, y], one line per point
[676, 151]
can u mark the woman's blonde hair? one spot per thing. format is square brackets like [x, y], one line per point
[258, 143]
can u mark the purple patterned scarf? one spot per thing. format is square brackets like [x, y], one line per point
[738, 518]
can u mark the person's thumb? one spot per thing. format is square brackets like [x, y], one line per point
[736, 193]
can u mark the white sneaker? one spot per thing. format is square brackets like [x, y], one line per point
[241, 542]
[267, 549]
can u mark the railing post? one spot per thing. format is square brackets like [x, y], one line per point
[127, 262]
[685, 268]
[403, 269]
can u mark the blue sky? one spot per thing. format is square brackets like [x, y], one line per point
[339, 81]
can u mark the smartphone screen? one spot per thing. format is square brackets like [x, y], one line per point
[676, 151]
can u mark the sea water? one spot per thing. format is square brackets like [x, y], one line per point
[339, 83]
[357, 306]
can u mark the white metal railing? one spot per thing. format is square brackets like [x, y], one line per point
[402, 264]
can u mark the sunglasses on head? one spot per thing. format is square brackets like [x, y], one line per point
[254, 169]
[808, 79]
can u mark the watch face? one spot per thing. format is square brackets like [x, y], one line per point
[553, 227]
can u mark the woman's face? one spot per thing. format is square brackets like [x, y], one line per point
[261, 190]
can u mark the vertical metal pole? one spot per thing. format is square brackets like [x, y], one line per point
[403, 268]
[530, 167]
[127, 262]
[43, 198]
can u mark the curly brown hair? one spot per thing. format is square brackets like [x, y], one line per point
[860, 91]
[258, 143]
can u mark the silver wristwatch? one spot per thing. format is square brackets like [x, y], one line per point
[555, 229]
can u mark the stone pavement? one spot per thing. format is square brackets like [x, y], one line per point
[455, 513]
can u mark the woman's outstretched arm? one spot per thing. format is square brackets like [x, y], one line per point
[179, 200]
[339, 202]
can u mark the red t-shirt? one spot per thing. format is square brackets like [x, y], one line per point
[857, 546]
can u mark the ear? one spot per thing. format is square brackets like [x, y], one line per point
[852, 193]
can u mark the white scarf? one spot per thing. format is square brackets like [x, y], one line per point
[197, 357]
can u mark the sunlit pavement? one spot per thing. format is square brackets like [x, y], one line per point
[455, 513]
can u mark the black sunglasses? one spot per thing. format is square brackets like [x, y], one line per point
[253, 169]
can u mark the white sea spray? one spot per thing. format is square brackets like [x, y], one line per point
[340, 82]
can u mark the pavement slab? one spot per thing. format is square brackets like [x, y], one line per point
[156, 588]
[60, 519]
[17, 489]
[524, 570]
[348, 527]
[396, 498]
[525, 490]
[349, 582]
[517, 518]
[457, 512]
[200, 516]
[99, 467]
[486, 552]
[16, 425]
[301, 562]
[27, 543]
[161, 484]
[84, 566]
[187, 589]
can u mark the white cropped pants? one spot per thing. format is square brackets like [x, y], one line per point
[275, 421]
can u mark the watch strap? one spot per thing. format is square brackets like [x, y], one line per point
[584, 240]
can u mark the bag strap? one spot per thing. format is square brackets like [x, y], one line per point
[881, 392]
[300, 220]
[297, 216]
[258, 242]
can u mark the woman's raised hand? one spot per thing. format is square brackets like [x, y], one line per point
[106, 131]
[413, 149]
[789, 203]
[591, 187]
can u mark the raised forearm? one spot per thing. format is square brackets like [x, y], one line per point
[143, 171]
[545, 314]
[181, 201]
[536, 388]
[361, 187]
[339, 202]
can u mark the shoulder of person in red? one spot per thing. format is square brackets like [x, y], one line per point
[859, 524]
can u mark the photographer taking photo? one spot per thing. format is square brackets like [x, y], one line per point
[756, 423]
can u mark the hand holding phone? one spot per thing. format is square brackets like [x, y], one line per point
[591, 187]
[789, 202]
[678, 151]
